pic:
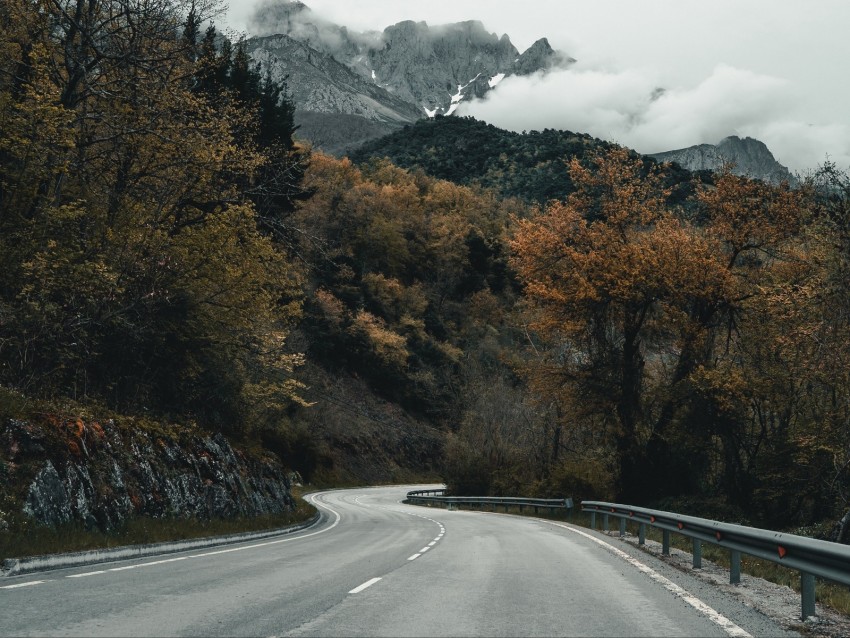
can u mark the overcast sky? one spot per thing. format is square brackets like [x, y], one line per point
[770, 69]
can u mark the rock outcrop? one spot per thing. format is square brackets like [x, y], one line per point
[102, 474]
[749, 156]
[319, 83]
[409, 71]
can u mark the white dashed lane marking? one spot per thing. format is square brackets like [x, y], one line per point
[26, 584]
[360, 588]
[438, 523]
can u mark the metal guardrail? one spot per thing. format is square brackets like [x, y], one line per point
[811, 557]
[438, 497]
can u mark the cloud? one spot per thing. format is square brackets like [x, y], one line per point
[271, 17]
[628, 107]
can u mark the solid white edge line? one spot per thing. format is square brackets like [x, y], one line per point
[360, 588]
[229, 550]
[712, 614]
[26, 584]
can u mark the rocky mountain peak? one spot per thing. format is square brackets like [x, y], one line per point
[541, 56]
[428, 69]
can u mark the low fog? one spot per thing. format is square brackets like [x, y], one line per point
[630, 108]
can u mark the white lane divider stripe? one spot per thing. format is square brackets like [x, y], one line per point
[29, 583]
[86, 574]
[432, 543]
[360, 588]
[712, 614]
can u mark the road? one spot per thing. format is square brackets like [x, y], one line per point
[376, 567]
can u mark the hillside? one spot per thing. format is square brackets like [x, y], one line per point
[529, 165]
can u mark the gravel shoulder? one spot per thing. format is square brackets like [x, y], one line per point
[778, 602]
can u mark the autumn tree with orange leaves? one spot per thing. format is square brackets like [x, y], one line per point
[635, 299]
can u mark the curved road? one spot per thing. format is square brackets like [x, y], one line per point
[376, 567]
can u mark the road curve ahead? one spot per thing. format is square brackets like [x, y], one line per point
[376, 567]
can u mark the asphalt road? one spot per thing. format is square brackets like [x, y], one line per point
[376, 567]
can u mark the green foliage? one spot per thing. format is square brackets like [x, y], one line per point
[135, 269]
[530, 166]
[398, 258]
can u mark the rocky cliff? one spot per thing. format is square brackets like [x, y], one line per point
[409, 71]
[100, 474]
[749, 156]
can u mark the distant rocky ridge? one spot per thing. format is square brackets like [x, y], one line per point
[749, 157]
[349, 87]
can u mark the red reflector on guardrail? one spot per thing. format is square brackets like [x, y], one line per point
[680, 525]
[782, 552]
[613, 510]
[651, 519]
[631, 513]
[718, 535]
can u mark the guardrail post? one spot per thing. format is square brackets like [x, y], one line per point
[807, 585]
[536, 509]
[642, 534]
[734, 567]
[697, 552]
[605, 522]
[665, 542]
[592, 520]
[622, 527]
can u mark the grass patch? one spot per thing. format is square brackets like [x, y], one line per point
[39, 540]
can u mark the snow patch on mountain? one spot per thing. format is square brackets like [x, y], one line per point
[389, 78]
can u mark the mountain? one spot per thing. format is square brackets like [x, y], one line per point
[328, 95]
[749, 156]
[349, 87]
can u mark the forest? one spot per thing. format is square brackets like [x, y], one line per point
[551, 314]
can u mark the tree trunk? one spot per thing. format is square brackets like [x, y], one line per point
[844, 530]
